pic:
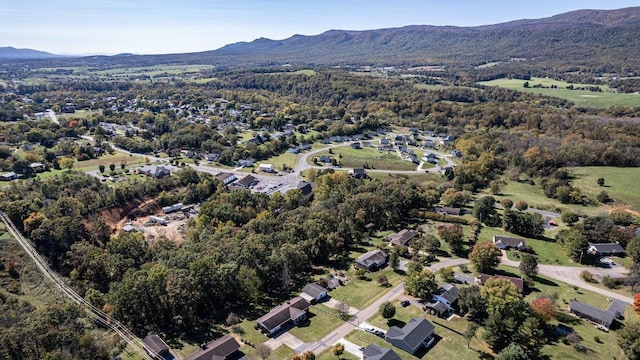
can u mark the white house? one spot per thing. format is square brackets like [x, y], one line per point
[266, 168]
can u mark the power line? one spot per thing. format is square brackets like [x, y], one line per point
[98, 315]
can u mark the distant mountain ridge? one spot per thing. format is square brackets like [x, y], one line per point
[11, 53]
[604, 40]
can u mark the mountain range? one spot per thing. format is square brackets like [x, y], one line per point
[11, 53]
[582, 38]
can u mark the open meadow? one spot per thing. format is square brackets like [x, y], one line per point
[582, 98]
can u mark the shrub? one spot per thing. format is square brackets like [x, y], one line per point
[587, 276]
[597, 339]
[609, 282]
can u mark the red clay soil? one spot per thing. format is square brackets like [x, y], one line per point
[116, 217]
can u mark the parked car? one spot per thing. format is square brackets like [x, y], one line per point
[404, 303]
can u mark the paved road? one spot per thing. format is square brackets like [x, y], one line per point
[571, 275]
[360, 317]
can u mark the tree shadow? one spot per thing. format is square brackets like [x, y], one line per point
[568, 319]
[396, 322]
[423, 351]
[546, 282]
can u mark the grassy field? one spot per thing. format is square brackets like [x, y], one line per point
[358, 158]
[535, 197]
[278, 162]
[620, 183]
[359, 293]
[322, 320]
[583, 98]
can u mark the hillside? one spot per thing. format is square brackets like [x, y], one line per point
[11, 53]
[591, 40]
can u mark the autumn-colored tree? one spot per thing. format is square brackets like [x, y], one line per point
[338, 350]
[544, 308]
[636, 303]
[67, 163]
[485, 256]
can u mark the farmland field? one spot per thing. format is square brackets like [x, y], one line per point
[583, 98]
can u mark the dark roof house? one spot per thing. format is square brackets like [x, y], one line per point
[415, 334]
[506, 242]
[358, 173]
[306, 188]
[403, 237]
[292, 312]
[592, 313]
[247, 181]
[375, 352]
[224, 348]
[606, 249]
[155, 346]
[372, 260]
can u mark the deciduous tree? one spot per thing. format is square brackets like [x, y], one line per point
[528, 266]
[485, 257]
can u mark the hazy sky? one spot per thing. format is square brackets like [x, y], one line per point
[162, 26]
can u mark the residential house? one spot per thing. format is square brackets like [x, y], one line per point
[445, 210]
[456, 153]
[246, 162]
[358, 173]
[304, 147]
[155, 347]
[517, 282]
[156, 171]
[418, 332]
[506, 242]
[130, 228]
[375, 352]
[226, 178]
[324, 158]
[306, 188]
[403, 237]
[385, 141]
[606, 249]
[224, 348]
[372, 260]
[8, 176]
[443, 300]
[592, 314]
[247, 181]
[294, 150]
[428, 144]
[267, 168]
[291, 313]
[313, 293]
[212, 157]
[37, 167]
[356, 145]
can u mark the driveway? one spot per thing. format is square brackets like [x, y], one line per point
[571, 275]
[351, 348]
[284, 338]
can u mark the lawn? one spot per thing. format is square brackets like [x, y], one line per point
[322, 320]
[359, 293]
[248, 333]
[620, 183]
[279, 161]
[328, 355]
[450, 344]
[368, 158]
[418, 177]
[535, 197]
[583, 98]
[282, 352]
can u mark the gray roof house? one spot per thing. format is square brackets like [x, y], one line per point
[306, 188]
[224, 348]
[155, 347]
[375, 352]
[293, 312]
[506, 242]
[591, 313]
[8, 176]
[247, 181]
[415, 334]
[606, 249]
[372, 260]
[313, 292]
[443, 299]
[403, 237]
[358, 173]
